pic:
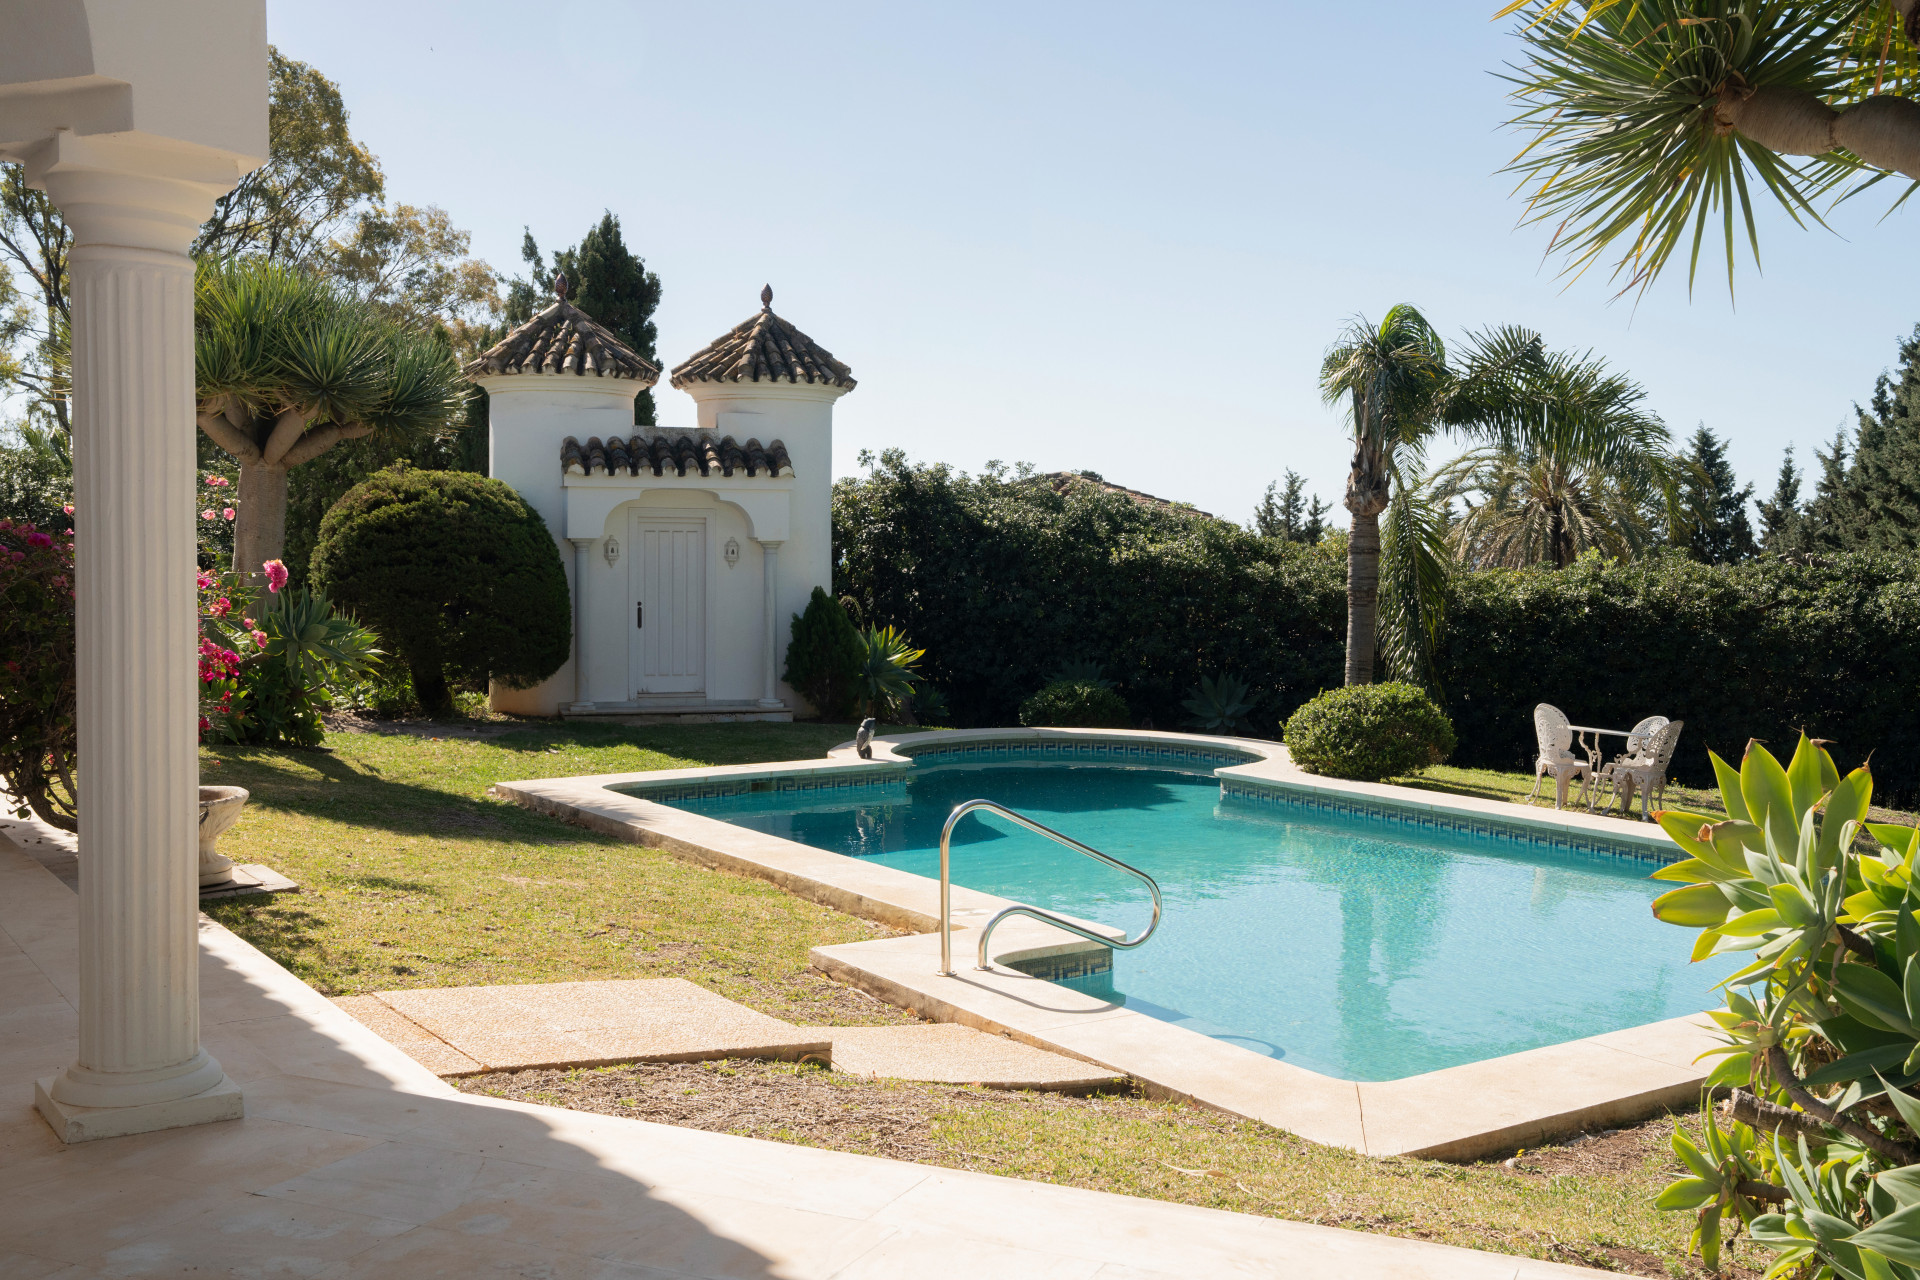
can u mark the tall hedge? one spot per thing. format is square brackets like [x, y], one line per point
[453, 571]
[1762, 649]
[1001, 580]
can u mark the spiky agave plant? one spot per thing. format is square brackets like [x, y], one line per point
[1652, 119]
[1817, 1146]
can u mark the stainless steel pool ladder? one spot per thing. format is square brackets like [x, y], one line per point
[1061, 922]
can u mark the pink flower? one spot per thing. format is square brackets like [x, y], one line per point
[276, 575]
[68, 508]
[207, 514]
[39, 540]
[221, 607]
[203, 580]
[227, 512]
[260, 638]
[248, 623]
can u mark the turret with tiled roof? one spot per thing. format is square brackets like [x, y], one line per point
[564, 339]
[764, 348]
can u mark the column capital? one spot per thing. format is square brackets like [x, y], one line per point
[126, 194]
[770, 544]
[581, 544]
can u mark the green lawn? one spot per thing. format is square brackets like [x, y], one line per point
[412, 877]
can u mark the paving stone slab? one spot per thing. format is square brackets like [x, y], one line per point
[425, 1048]
[586, 1024]
[947, 1053]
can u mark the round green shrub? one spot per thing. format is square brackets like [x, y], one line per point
[1369, 731]
[455, 572]
[1075, 704]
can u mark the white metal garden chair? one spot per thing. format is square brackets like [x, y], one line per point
[1638, 738]
[1555, 735]
[1647, 772]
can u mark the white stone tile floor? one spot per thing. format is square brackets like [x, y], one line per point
[356, 1161]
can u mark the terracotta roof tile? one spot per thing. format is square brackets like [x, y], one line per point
[564, 339]
[764, 348]
[663, 454]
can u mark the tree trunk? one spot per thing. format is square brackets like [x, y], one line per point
[1363, 594]
[260, 532]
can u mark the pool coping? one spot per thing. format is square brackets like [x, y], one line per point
[1465, 1112]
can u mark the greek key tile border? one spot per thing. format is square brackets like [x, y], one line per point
[721, 788]
[1559, 840]
[1077, 749]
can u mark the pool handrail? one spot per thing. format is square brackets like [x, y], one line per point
[964, 808]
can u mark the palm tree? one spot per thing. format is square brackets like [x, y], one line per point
[1400, 393]
[287, 366]
[1581, 473]
[1657, 118]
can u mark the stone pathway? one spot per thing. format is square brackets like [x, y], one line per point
[459, 1031]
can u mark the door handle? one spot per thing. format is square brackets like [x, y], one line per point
[639, 614]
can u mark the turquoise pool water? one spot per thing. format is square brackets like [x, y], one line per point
[1355, 947]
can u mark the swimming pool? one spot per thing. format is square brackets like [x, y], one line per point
[1354, 946]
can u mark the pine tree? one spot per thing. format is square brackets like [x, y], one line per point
[1721, 532]
[1829, 519]
[1289, 513]
[606, 280]
[1781, 519]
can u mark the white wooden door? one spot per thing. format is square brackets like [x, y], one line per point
[667, 652]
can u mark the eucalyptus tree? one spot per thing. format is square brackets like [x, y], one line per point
[1653, 120]
[1399, 392]
[287, 366]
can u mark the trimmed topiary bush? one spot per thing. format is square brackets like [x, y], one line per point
[826, 657]
[1369, 732]
[455, 572]
[1075, 704]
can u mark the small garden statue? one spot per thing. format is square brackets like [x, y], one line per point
[863, 739]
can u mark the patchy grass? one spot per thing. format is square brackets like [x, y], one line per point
[1589, 1202]
[412, 877]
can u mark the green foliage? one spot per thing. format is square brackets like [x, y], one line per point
[607, 280]
[1081, 671]
[36, 481]
[38, 744]
[455, 572]
[1782, 522]
[885, 680]
[1075, 704]
[1872, 502]
[1820, 1023]
[1219, 704]
[998, 576]
[1290, 514]
[1624, 102]
[1369, 732]
[825, 657]
[1760, 649]
[1718, 531]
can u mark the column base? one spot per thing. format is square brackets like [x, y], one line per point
[771, 704]
[86, 1124]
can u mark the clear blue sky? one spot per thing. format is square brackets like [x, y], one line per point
[1108, 236]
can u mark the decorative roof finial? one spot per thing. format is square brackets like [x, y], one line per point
[766, 297]
[560, 286]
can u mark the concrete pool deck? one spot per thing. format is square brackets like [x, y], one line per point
[355, 1161]
[1466, 1112]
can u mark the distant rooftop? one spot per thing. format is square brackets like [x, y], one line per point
[1061, 481]
[764, 348]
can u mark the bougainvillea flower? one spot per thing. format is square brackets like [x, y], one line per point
[260, 638]
[276, 574]
[227, 512]
[207, 514]
[39, 540]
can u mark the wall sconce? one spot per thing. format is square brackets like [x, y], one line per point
[613, 551]
[731, 553]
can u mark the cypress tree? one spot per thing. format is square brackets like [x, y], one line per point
[1722, 533]
[1288, 513]
[1781, 519]
[606, 280]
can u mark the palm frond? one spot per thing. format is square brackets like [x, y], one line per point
[1414, 566]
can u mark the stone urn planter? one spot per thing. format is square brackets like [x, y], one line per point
[219, 809]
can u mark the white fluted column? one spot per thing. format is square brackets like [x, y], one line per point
[134, 212]
[582, 552]
[770, 576]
